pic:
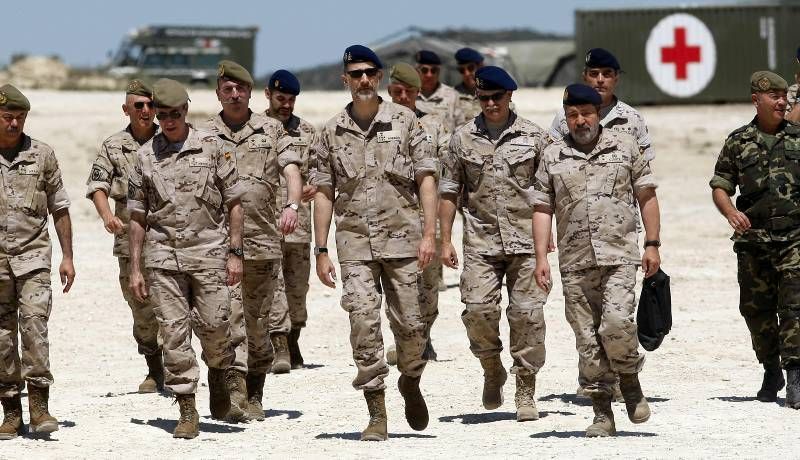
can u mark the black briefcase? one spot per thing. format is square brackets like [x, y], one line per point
[654, 317]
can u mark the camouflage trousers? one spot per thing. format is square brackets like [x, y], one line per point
[481, 284]
[769, 299]
[191, 302]
[363, 285]
[296, 270]
[145, 326]
[259, 296]
[600, 305]
[25, 303]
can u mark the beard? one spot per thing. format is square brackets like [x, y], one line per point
[585, 135]
[365, 93]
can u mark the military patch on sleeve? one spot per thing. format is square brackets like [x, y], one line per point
[99, 174]
[227, 156]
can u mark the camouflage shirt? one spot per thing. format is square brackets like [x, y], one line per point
[593, 198]
[620, 117]
[303, 137]
[373, 174]
[468, 105]
[768, 181]
[30, 187]
[791, 97]
[495, 178]
[181, 190]
[110, 174]
[442, 102]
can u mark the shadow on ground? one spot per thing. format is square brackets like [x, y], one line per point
[290, 414]
[357, 436]
[571, 398]
[491, 417]
[737, 399]
[582, 434]
[169, 425]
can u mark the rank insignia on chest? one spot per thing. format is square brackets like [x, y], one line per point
[200, 162]
[255, 143]
[388, 136]
[227, 156]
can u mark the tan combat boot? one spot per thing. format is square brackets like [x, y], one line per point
[416, 409]
[525, 399]
[154, 381]
[603, 424]
[281, 363]
[189, 423]
[255, 391]
[635, 402]
[12, 417]
[219, 399]
[376, 429]
[295, 356]
[494, 377]
[41, 420]
[237, 391]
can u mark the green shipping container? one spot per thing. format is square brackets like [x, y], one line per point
[690, 55]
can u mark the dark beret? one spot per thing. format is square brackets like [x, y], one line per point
[284, 81]
[234, 71]
[467, 55]
[598, 57]
[427, 57]
[493, 77]
[360, 53]
[580, 94]
[139, 88]
[12, 99]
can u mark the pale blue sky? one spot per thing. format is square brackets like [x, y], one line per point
[293, 34]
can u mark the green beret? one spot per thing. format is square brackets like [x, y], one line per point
[169, 93]
[233, 71]
[139, 88]
[764, 80]
[405, 73]
[12, 99]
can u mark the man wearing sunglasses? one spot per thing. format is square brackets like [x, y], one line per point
[490, 163]
[375, 160]
[434, 96]
[109, 179]
[468, 61]
[182, 183]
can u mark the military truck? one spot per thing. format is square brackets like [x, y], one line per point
[184, 53]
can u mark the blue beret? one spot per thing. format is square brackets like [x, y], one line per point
[580, 94]
[467, 55]
[360, 53]
[599, 57]
[492, 77]
[284, 81]
[427, 57]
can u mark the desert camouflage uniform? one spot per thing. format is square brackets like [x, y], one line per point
[769, 252]
[443, 103]
[261, 149]
[378, 232]
[495, 177]
[30, 187]
[182, 189]
[791, 97]
[110, 175]
[469, 106]
[593, 199]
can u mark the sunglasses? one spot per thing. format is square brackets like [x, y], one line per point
[496, 97]
[462, 69]
[356, 74]
[174, 115]
[428, 70]
[139, 105]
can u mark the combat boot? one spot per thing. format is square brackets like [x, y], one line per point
[41, 420]
[237, 392]
[494, 377]
[793, 388]
[189, 422]
[391, 355]
[219, 400]
[635, 402]
[12, 417]
[525, 399]
[603, 423]
[416, 409]
[255, 391]
[773, 382]
[376, 429]
[429, 354]
[155, 375]
[295, 356]
[281, 363]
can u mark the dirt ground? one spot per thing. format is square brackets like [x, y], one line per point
[701, 383]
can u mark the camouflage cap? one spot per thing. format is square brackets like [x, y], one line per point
[139, 88]
[405, 73]
[764, 80]
[234, 71]
[12, 99]
[169, 93]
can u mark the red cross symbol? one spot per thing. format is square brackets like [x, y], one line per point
[680, 54]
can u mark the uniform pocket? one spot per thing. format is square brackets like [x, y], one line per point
[473, 171]
[520, 164]
[210, 195]
[400, 173]
[570, 183]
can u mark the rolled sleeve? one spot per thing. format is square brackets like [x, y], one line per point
[57, 198]
[288, 153]
[642, 176]
[321, 173]
[452, 173]
[542, 194]
[234, 192]
[725, 172]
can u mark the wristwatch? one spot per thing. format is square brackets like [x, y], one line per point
[320, 250]
[655, 243]
[294, 206]
[238, 252]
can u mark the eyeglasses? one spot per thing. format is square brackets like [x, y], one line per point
[356, 74]
[139, 105]
[174, 115]
[496, 97]
[431, 70]
[462, 69]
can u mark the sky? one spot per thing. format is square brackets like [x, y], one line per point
[292, 34]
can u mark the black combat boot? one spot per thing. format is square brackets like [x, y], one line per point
[416, 409]
[793, 388]
[773, 382]
[295, 356]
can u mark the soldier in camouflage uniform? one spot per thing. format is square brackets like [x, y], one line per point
[791, 96]
[491, 160]
[180, 182]
[30, 188]
[434, 96]
[263, 154]
[762, 159]
[591, 181]
[468, 61]
[109, 179]
[281, 92]
[375, 168]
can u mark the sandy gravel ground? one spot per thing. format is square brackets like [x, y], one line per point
[701, 382]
